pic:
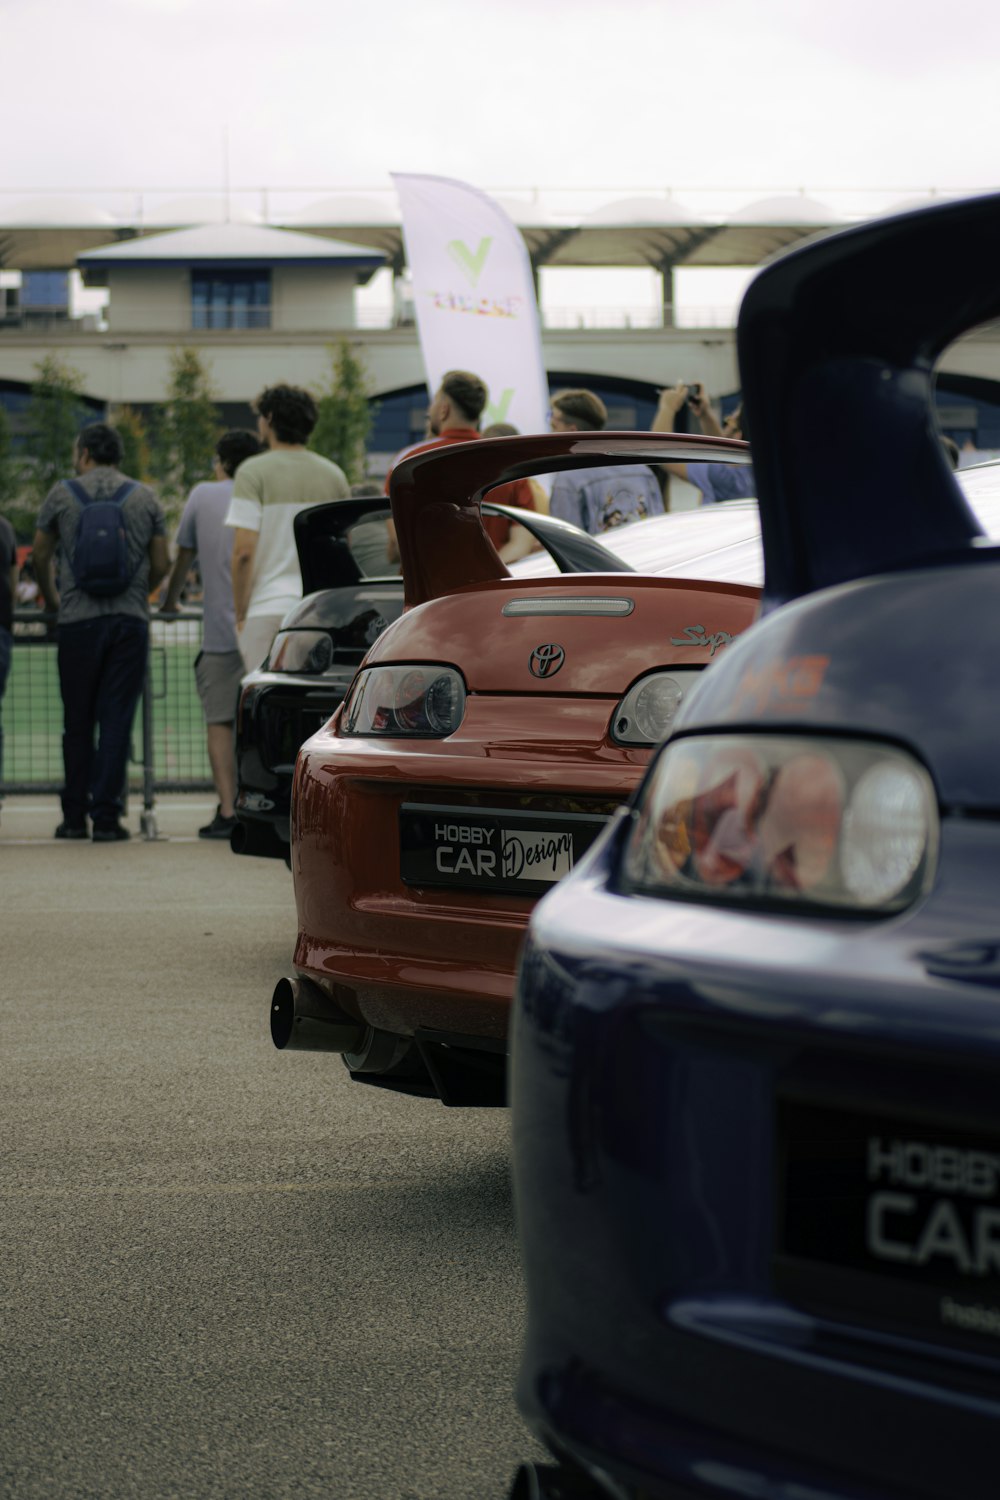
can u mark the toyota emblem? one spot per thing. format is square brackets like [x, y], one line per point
[546, 660]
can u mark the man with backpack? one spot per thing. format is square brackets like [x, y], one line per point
[111, 536]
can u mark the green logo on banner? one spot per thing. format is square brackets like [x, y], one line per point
[496, 411]
[469, 262]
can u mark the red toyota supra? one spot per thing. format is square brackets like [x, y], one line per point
[490, 733]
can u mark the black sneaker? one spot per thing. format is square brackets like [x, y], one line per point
[110, 833]
[71, 831]
[219, 828]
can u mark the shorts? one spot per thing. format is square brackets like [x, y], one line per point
[218, 675]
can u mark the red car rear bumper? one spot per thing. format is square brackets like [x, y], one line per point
[403, 956]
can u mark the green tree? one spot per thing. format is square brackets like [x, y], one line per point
[9, 478]
[187, 429]
[15, 504]
[345, 412]
[56, 413]
[135, 442]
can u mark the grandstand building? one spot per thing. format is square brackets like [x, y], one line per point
[263, 284]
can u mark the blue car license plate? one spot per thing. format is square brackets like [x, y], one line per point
[890, 1221]
[491, 849]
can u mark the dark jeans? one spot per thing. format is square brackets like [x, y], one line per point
[6, 641]
[102, 664]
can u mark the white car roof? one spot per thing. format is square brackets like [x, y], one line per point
[721, 543]
[716, 542]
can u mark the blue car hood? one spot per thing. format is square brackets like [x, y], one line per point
[906, 657]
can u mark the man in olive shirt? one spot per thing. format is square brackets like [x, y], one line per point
[268, 493]
[103, 639]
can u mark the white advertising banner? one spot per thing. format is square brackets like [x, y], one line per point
[474, 296]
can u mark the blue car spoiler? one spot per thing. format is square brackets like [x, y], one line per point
[837, 342]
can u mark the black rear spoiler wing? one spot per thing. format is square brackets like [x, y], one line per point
[837, 343]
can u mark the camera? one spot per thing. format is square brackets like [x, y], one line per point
[693, 389]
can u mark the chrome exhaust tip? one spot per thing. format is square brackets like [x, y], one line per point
[304, 1019]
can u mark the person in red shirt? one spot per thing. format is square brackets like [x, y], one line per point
[453, 417]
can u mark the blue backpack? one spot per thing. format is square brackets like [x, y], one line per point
[100, 553]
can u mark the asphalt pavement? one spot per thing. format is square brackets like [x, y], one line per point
[226, 1271]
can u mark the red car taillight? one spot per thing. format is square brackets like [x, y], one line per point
[424, 700]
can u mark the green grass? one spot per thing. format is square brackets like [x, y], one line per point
[32, 712]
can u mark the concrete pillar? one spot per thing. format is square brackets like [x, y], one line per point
[667, 283]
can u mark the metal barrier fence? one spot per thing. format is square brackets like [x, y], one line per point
[169, 750]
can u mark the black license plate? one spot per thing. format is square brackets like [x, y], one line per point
[491, 849]
[890, 1221]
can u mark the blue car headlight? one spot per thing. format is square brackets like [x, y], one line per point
[425, 700]
[785, 821]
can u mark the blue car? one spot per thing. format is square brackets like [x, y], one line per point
[756, 1051]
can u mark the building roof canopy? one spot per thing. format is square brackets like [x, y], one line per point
[792, 211]
[560, 227]
[54, 213]
[195, 209]
[349, 210]
[250, 245]
[628, 212]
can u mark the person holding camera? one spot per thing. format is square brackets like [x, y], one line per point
[715, 481]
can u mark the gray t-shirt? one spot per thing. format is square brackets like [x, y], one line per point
[599, 499]
[204, 531]
[143, 518]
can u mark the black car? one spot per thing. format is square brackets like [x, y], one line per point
[351, 595]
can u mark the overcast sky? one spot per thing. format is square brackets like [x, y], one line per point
[572, 93]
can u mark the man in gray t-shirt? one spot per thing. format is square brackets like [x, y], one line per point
[219, 665]
[600, 498]
[103, 636]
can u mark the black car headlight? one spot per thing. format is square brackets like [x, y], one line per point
[648, 709]
[306, 651]
[776, 821]
[426, 700]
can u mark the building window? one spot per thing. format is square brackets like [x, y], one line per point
[230, 299]
[45, 292]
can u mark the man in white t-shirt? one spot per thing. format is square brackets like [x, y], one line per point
[218, 666]
[268, 493]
